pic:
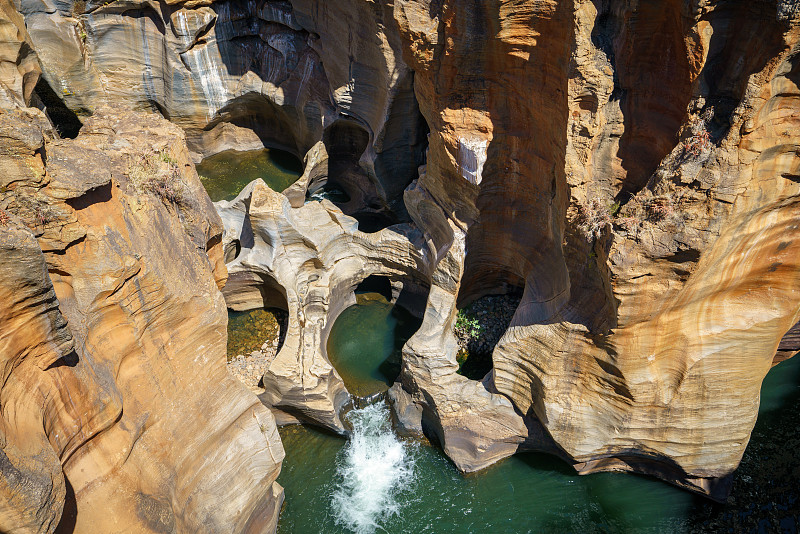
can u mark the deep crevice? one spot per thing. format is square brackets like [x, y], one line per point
[65, 120]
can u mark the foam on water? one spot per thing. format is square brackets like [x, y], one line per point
[373, 471]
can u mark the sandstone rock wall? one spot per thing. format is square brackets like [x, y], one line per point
[632, 165]
[650, 350]
[674, 305]
[309, 260]
[113, 341]
[245, 74]
[19, 65]
[650, 223]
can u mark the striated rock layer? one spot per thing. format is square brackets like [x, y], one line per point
[652, 225]
[112, 338]
[247, 74]
[19, 65]
[633, 166]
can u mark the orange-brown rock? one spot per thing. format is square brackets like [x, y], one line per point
[19, 65]
[243, 75]
[643, 335]
[117, 408]
[632, 164]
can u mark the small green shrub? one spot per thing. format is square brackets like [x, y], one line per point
[467, 327]
[167, 158]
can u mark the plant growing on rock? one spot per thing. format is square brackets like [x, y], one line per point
[157, 173]
[4, 218]
[697, 143]
[700, 140]
[665, 206]
[659, 207]
[467, 327]
[33, 211]
[594, 217]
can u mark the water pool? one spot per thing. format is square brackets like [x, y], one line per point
[536, 493]
[224, 175]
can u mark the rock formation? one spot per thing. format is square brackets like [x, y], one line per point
[632, 166]
[309, 261]
[112, 335]
[19, 65]
[249, 74]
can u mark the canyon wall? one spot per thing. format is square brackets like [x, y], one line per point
[632, 166]
[19, 64]
[246, 74]
[112, 338]
[635, 166]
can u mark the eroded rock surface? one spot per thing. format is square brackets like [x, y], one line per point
[113, 340]
[248, 74]
[308, 260]
[632, 165]
[643, 325]
[19, 65]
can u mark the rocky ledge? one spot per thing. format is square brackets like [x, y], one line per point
[632, 166]
[112, 338]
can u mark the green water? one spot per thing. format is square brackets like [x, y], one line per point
[225, 174]
[534, 492]
[528, 492]
[365, 342]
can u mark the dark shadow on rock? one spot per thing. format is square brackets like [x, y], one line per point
[64, 119]
[68, 360]
[94, 196]
[69, 516]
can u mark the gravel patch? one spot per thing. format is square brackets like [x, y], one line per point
[262, 329]
[492, 315]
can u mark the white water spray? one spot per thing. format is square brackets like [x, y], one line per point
[374, 469]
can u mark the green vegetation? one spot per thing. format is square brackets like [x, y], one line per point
[473, 362]
[467, 327]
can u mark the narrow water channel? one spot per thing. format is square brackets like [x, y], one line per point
[335, 486]
[377, 482]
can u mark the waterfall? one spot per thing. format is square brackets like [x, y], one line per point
[373, 471]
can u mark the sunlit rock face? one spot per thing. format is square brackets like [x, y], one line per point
[19, 67]
[245, 74]
[118, 413]
[309, 260]
[642, 347]
[644, 325]
[632, 165]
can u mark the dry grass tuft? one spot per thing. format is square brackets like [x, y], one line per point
[593, 218]
[157, 173]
